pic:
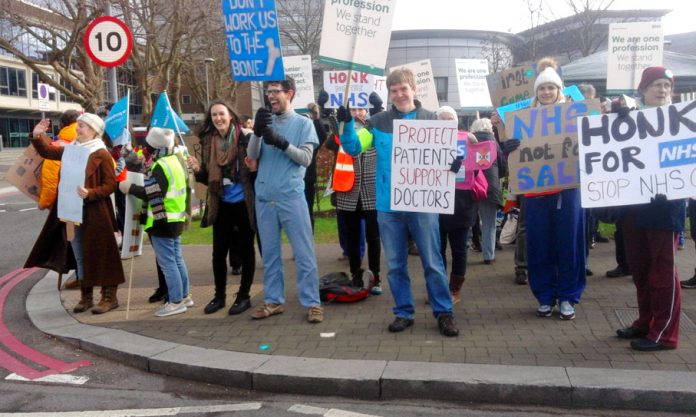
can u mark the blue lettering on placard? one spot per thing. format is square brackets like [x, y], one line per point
[677, 153]
[524, 180]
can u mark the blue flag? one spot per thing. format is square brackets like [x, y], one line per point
[165, 116]
[116, 122]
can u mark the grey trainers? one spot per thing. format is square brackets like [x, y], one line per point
[567, 310]
[170, 309]
[544, 310]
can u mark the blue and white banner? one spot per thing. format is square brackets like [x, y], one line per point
[165, 116]
[116, 122]
[253, 40]
[571, 91]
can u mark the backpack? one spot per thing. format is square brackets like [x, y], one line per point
[338, 286]
[480, 186]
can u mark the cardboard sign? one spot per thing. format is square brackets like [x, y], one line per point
[426, 92]
[253, 40]
[571, 91]
[547, 158]
[356, 34]
[73, 165]
[300, 69]
[25, 173]
[632, 48]
[132, 229]
[422, 152]
[361, 86]
[628, 160]
[511, 85]
[471, 80]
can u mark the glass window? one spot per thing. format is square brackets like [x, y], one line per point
[13, 82]
[441, 88]
[185, 99]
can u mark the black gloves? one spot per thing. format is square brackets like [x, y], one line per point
[456, 164]
[659, 199]
[510, 145]
[262, 120]
[272, 138]
[323, 98]
[622, 112]
[343, 114]
[376, 100]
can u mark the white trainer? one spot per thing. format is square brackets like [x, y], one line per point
[567, 311]
[169, 309]
[188, 301]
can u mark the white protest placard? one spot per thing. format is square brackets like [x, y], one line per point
[426, 92]
[632, 48]
[253, 40]
[361, 85]
[422, 153]
[132, 229]
[356, 34]
[73, 164]
[299, 67]
[628, 160]
[471, 80]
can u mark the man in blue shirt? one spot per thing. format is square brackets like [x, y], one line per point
[395, 226]
[283, 143]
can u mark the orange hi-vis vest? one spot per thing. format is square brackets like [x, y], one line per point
[344, 173]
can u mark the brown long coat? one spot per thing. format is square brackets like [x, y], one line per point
[102, 262]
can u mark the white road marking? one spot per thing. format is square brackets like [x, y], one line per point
[143, 412]
[27, 209]
[3, 211]
[325, 412]
[55, 379]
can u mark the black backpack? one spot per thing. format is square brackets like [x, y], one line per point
[338, 286]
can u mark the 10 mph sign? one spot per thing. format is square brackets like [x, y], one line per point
[108, 41]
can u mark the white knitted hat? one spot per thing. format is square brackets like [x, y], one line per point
[447, 110]
[160, 138]
[93, 121]
[482, 125]
[548, 76]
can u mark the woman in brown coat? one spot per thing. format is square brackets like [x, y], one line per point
[94, 245]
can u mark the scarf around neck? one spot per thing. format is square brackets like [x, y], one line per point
[93, 145]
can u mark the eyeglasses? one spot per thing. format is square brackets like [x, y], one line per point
[275, 92]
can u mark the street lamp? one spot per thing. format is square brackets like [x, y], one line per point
[207, 96]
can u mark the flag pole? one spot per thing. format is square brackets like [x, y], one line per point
[176, 125]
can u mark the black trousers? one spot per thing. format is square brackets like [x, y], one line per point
[353, 219]
[229, 217]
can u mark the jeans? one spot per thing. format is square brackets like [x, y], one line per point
[394, 228]
[227, 239]
[487, 212]
[76, 244]
[171, 260]
[293, 216]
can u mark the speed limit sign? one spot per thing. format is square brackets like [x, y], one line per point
[108, 41]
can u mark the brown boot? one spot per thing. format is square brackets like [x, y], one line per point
[455, 285]
[108, 301]
[86, 299]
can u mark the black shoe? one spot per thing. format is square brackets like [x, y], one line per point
[358, 281]
[646, 345]
[215, 305]
[158, 296]
[400, 324]
[476, 247]
[498, 246]
[601, 239]
[617, 272]
[588, 272]
[240, 305]
[521, 277]
[630, 333]
[689, 283]
[447, 325]
[236, 270]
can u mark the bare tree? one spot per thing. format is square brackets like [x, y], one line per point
[497, 52]
[590, 34]
[300, 25]
[56, 29]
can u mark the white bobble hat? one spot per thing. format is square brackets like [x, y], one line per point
[160, 138]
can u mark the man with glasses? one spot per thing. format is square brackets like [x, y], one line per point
[283, 143]
[395, 226]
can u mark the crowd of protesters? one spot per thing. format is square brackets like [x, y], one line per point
[257, 170]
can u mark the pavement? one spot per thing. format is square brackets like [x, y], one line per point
[504, 354]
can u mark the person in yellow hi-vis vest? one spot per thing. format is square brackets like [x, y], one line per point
[164, 192]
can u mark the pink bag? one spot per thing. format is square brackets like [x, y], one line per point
[480, 186]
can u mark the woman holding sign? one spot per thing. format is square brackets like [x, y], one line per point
[93, 242]
[650, 233]
[555, 224]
